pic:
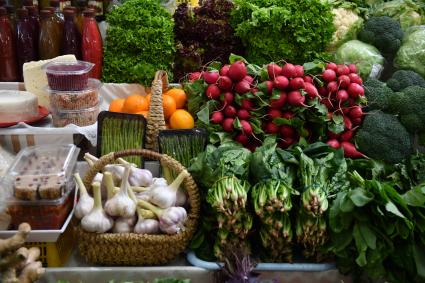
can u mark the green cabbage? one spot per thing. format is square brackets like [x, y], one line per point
[411, 54]
[367, 58]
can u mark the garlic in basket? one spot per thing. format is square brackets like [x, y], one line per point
[145, 224]
[124, 224]
[121, 204]
[97, 220]
[86, 202]
[138, 177]
[165, 196]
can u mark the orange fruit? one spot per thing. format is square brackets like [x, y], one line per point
[179, 96]
[169, 105]
[116, 105]
[135, 103]
[148, 98]
[181, 119]
[144, 113]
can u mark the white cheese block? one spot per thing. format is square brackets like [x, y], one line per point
[35, 77]
[17, 105]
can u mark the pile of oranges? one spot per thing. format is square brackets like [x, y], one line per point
[173, 102]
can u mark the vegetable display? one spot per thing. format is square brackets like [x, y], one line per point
[140, 42]
[412, 51]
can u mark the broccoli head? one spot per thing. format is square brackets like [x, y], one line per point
[409, 105]
[377, 94]
[405, 78]
[382, 137]
[384, 33]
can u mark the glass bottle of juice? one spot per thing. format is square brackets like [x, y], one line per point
[12, 17]
[81, 6]
[24, 41]
[49, 42]
[91, 43]
[9, 68]
[71, 42]
[35, 24]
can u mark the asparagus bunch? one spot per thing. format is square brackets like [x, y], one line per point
[272, 202]
[228, 197]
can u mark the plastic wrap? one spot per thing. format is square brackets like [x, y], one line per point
[411, 54]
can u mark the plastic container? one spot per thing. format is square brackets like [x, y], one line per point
[42, 188]
[68, 76]
[83, 117]
[75, 100]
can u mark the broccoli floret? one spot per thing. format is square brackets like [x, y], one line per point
[384, 33]
[409, 105]
[405, 78]
[377, 94]
[382, 137]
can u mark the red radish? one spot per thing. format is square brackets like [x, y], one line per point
[249, 79]
[295, 98]
[296, 83]
[247, 104]
[242, 87]
[254, 90]
[344, 81]
[332, 87]
[285, 143]
[347, 122]
[230, 111]
[357, 121]
[243, 114]
[299, 70]
[274, 113]
[311, 90]
[225, 83]
[342, 70]
[280, 102]
[211, 77]
[246, 127]
[217, 117]
[352, 68]
[228, 98]
[342, 95]
[252, 147]
[242, 139]
[281, 82]
[355, 90]
[287, 131]
[323, 91]
[329, 75]
[354, 78]
[289, 71]
[332, 135]
[352, 102]
[213, 92]
[327, 102]
[331, 66]
[308, 79]
[237, 71]
[228, 125]
[288, 115]
[334, 143]
[351, 151]
[273, 70]
[356, 112]
[195, 76]
[271, 128]
[224, 70]
[346, 110]
[347, 135]
[269, 87]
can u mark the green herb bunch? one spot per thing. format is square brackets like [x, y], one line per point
[293, 30]
[140, 41]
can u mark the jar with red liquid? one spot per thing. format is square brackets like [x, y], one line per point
[71, 41]
[25, 48]
[8, 69]
[91, 43]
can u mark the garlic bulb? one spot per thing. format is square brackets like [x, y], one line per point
[116, 170]
[124, 224]
[109, 184]
[138, 177]
[86, 202]
[146, 226]
[165, 196]
[121, 204]
[159, 182]
[97, 220]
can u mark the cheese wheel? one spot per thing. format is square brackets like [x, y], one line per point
[17, 106]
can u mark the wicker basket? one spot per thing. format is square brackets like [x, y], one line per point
[137, 249]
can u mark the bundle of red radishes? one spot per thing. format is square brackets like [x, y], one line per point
[283, 101]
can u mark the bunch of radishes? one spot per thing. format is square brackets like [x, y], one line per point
[286, 94]
[342, 94]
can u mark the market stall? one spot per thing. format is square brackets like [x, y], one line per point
[219, 141]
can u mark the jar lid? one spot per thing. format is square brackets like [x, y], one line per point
[3, 11]
[32, 10]
[45, 13]
[22, 12]
[89, 13]
[68, 13]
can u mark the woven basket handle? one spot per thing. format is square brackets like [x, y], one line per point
[156, 120]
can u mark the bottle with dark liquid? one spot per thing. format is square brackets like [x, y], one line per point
[26, 51]
[49, 42]
[71, 41]
[8, 63]
[35, 24]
